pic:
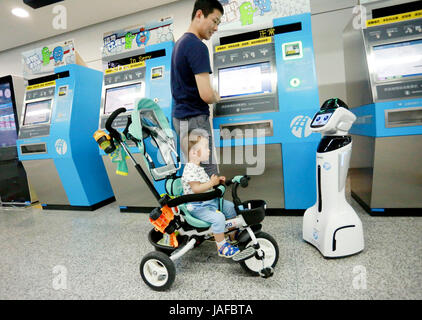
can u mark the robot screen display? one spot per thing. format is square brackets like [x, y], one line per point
[321, 119]
[398, 60]
[122, 97]
[245, 80]
[37, 112]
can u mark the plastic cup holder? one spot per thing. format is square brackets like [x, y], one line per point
[154, 236]
[253, 211]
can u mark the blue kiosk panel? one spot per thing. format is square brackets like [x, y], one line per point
[149, 69]
[270, 84]
[55, 142]
[389, 119]
[384, 91]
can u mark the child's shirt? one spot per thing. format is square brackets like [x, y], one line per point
[191, 173]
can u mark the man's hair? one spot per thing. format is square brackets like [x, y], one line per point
[207, 7]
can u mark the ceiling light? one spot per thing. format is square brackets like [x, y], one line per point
[21, 13]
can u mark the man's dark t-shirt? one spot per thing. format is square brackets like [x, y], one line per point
[190, 57]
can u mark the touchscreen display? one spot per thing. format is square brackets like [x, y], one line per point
[321, 119]
[398, 60]
[37, 112]
[245, 80]
[122, 97]
[8, 132]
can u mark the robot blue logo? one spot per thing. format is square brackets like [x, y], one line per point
[326, 166]
[61, 146]
[300, 126]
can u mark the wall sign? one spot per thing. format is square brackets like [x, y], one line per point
[133, 38]
[44, 59]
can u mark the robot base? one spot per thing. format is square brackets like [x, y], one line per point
[336, 234]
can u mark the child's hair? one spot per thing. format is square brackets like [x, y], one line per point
[191, 139]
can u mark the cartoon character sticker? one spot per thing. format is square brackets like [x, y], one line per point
[246, 13]
[263, 5]
[231, 12]
[128, 40]
[58, 54]
[142, 37]
[243, 11]
[45, 55]
[164, 33]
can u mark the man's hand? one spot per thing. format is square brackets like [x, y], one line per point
[217, 96]
[206, 92]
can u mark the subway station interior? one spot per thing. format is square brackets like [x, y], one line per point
[315, 135]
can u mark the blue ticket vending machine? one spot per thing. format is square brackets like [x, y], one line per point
[266, 80]
[383, 65]
[55, 141]
[141, 73]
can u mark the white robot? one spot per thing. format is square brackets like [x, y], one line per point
[332, 225]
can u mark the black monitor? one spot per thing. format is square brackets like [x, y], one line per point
[9, 125]
[8, 117]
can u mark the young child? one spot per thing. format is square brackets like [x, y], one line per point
[195, 180]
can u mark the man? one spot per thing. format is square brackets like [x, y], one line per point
[190, 75]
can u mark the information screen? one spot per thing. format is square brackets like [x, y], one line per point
[122, 97]
[245, 80]
[321, 119]
[398, 60]
[37, 112]
[8, 133]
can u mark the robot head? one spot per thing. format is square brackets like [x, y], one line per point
[334, 103]
[334, 118]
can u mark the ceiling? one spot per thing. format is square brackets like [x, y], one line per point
[16, 31]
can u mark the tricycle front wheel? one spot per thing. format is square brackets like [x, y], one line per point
[158, 271]
[269, 246]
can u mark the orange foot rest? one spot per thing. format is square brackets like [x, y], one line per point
[162, 222]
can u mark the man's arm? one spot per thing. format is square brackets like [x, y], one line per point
[206, 92]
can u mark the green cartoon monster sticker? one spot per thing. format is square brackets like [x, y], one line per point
[246, 13]
[45, 56]
[128, 40]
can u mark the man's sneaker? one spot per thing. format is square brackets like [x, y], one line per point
[228, 251]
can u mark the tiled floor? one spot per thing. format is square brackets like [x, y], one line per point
[96, 255]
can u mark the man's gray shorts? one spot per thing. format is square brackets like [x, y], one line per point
[183, 126]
